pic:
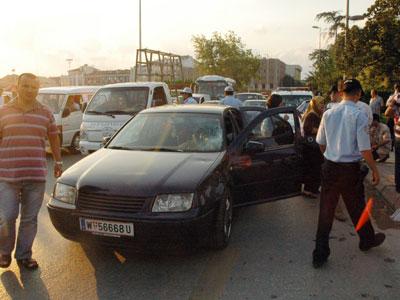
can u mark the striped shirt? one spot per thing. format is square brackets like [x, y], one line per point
[23, 140]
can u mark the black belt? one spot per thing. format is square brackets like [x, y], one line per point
[344, 164]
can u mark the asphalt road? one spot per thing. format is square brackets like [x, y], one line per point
[269, 257]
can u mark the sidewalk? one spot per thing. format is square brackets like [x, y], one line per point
[386, 186]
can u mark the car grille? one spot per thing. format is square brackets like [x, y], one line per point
[110, 203]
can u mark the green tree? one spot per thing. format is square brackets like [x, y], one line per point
[225, 55]
[334, 19]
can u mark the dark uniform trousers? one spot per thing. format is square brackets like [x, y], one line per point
[346, 179]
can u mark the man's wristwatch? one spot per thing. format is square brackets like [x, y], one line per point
[60, 163]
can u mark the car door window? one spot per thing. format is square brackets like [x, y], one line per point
[159, 97]
[274, 131]
[74, 103]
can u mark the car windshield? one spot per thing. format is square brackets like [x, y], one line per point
[213, 88]
[124, 100]
[172, 132]
[294, 100]
[53, 101]
[244, 97]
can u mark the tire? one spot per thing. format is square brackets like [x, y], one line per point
[222, 227]
[74, 148]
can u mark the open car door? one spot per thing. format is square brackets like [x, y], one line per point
[266, 157]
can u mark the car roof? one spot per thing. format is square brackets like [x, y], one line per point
[302, 93]
[135, 84]
[69, 89]
[190, 108]
[258, 94]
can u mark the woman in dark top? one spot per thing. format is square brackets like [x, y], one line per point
[313, 157]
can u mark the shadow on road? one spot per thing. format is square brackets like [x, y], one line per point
[31, 286]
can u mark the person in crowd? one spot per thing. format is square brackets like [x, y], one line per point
[392, 111]
[229, 99]
[313, 158]
[1, 97]
[23, 169]
[393, 104]
[376, 102]
[274, 101]
[380, 140]
[344, 140]
[334, 96]
[187, 94]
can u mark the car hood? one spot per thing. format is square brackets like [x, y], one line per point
[140, 173]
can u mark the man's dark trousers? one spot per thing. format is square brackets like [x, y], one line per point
[347, 180]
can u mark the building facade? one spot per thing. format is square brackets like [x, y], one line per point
[294, 71]
[269, 76]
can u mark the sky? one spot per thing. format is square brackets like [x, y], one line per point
[39, 36]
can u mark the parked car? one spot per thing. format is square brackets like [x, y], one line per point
[250, 96]
[113, 105]
[212, 102]
[67, 104]
[293, 97]
[159, 178]
[260, 103]
[200, 98]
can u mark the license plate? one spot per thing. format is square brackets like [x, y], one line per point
[109, 228]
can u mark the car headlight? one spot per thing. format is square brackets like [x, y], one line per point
[173, 203]
[64, 193]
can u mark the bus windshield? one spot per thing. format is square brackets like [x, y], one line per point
[213, 88]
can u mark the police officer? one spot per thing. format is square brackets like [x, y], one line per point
[344, 140]
[187, 96]
[229, 99]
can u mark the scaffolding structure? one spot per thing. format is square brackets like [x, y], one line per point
[154, 65]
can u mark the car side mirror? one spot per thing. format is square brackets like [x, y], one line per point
[66, 112]
[105, 140]
[253, 147]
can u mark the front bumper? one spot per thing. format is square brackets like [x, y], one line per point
[193, 224]
[87, 147]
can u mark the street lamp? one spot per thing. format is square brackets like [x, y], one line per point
[319, 50]
[140, 24]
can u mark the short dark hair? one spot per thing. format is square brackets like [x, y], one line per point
[375, 117]
[352, 87]
[397, 86]
[274, 101]
[33, 76]
[333, 89]
[229, 93]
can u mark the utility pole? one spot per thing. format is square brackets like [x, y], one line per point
[346, 32]
[140, 24]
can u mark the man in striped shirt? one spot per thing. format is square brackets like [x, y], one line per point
[24, 126]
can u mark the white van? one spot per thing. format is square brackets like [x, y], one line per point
[67, 104]
[115, 104]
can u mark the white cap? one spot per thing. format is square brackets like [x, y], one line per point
[187, 90]
[229, 88]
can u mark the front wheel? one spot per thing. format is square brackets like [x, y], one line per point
[222, 227]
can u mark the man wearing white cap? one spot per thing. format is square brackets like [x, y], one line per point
[229, 99]
[187, 96]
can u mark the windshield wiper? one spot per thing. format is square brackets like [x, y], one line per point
[117, 112]
[120, 148]
[161, 149]
[100, 113]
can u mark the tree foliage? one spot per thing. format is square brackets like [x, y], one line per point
[372, 53]
[225, 55]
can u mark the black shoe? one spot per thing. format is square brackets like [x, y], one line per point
[379, 238]
[319, 260]
[382, 160]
